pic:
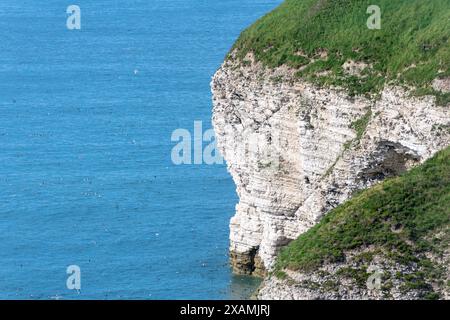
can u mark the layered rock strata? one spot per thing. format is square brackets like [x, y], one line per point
[295, 151]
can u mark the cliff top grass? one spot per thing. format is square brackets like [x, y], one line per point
[398, 217]
[318, 37]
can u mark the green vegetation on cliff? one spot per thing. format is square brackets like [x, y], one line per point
[403, 217]
[318, 37]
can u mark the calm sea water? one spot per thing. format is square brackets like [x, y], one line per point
[86, 177]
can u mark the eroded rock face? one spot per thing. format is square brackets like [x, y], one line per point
[296, 151]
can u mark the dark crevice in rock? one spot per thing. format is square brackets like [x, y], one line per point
[391, 160]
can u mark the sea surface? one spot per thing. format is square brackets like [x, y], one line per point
[86, 176]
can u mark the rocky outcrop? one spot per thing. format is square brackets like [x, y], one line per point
[351, 280]
[295, 151]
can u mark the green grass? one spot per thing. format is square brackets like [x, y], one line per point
[413, 33]
[360, 125]
[397, 216]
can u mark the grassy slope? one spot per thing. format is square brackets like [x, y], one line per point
[397, 216]
[413, 32]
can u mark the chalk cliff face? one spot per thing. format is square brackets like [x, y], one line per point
[295, 151]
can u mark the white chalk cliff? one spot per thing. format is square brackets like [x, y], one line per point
[295, 151]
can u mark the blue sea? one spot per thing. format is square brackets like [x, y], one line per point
[86, 176]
